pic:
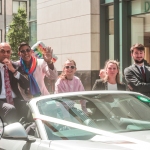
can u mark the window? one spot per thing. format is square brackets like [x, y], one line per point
[33, 10]
[140, 32]
[33, 32]
[33, 21]
[0, 7]
[111, 31]
[111, 112]
[19, 4]
[0, 35]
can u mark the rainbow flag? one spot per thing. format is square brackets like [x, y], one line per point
[39, 48]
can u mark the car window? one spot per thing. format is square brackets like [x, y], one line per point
[61, 132]
[110, 112]
[64, 109]
[29, 124]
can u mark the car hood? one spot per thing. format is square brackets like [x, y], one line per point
[94, 145]
[139, 135]
[103, 138]
[100, 142]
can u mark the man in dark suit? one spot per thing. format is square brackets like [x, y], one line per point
[11, 100]
[138, 74]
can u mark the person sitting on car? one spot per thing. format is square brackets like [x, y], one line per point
[11, 101]
[68, 82]
[36, 70]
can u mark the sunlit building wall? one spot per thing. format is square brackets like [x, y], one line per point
[71, 28]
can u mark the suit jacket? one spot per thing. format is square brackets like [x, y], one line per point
[23, 81]
[134, 78]
[101, 85]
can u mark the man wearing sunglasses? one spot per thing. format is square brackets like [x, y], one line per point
[36, 70]
[10, 97]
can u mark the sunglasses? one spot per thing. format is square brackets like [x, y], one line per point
[72, 67]
[27, 50]
[3, 51]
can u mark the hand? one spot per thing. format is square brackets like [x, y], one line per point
[86, 111]
[130, 87]
[48, 54]
[8, 63]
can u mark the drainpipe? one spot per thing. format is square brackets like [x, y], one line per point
[4, 20]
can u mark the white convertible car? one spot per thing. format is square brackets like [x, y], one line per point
[90, 120]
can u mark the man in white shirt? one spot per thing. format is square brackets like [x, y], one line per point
[10, 97]
[36, 69]
[138, 75]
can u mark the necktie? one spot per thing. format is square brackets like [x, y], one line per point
[8, 87]
[143, 74]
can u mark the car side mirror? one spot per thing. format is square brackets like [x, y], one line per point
[14, 131]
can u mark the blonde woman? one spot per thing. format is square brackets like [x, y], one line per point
[111, 81]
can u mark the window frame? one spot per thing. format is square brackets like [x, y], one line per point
[19, 5]
[0, 7]
[0, 35]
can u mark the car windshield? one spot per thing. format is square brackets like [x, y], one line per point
[110, 112]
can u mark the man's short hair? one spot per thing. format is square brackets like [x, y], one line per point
[137, 46]
[23, 44]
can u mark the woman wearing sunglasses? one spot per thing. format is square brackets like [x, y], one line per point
[68, 82]
[111, 80]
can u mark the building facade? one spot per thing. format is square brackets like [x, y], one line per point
[10, 7]
[72, 29]
[7, 9]
[88, 31]
[123, 23]
[93, 31]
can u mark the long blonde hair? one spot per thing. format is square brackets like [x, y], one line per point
[63, 75]
[106, 66]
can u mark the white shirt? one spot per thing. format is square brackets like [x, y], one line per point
[140, 67]
[112, 86]
[39, 73]
[3, 93]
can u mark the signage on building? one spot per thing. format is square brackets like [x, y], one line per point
[147, 6]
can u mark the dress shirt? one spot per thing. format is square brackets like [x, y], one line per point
[3, 93]
[112, 86]
[140, 67]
